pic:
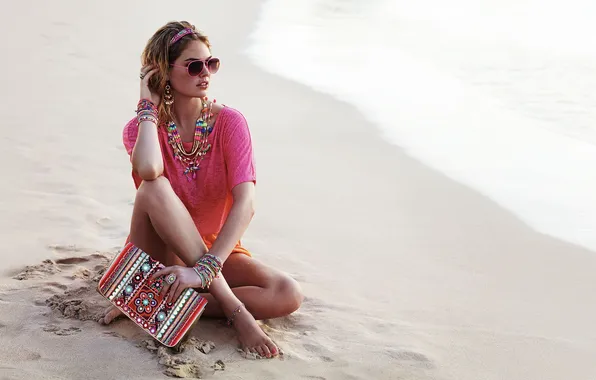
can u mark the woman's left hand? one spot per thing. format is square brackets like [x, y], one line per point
[185, 278]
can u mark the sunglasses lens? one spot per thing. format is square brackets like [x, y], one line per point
[213, 65]
[195, 68]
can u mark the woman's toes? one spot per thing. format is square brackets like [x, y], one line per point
[260, 351]
[266, 351]
[111, 314]
[272, 348]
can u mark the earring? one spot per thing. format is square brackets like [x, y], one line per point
[168, 97]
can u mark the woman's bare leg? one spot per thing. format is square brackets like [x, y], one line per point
[160, 225]
[266, 292]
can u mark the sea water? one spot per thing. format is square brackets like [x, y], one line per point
[498, 95]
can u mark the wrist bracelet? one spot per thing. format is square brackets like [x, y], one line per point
[150, 118]
[207, 268]
[147, 111]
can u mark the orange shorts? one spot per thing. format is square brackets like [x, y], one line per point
[210, 239]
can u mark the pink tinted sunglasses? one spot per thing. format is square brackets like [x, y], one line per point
[197, 66]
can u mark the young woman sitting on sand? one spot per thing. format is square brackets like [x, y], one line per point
[193, 168]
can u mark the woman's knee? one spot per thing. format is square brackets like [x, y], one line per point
[289, 293]
[151, 191]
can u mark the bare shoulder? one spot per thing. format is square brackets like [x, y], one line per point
[217, 108]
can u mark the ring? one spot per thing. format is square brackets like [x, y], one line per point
[171, 278]
[142, 75]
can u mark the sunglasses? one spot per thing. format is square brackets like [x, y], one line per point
[196, 67]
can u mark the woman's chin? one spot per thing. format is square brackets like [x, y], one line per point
[201, 92]
[198, 93]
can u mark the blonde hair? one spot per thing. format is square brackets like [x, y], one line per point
[160, 54]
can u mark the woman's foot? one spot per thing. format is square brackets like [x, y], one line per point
[111, 313]
[252, 337]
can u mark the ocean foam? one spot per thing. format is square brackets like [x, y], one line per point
[406, 67]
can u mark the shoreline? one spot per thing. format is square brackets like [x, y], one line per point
[438, 99]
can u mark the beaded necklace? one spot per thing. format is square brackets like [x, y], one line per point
[192, 160]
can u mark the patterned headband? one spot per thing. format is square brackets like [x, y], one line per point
[180, 34]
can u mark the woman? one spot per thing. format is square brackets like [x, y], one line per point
[193, 167]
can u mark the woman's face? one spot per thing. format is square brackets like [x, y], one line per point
[185, 84]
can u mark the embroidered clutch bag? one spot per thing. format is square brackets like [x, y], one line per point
[127, 285]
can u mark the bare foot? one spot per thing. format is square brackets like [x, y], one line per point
[252, 337]
[111, 313]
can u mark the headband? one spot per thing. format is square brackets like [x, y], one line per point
[181, 34]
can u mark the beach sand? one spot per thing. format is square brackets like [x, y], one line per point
[407, 274]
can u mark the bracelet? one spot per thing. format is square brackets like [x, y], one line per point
[146, 104]
[234, 314]
[150, 118]
[147, 111]
[207, 268]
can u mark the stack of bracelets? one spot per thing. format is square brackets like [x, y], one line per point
[146, 111]
[207, 268]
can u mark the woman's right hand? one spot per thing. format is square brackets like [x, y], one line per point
[146, 92]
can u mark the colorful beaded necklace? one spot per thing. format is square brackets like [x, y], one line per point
[192, 160]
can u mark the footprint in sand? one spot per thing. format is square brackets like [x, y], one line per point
[82, 303]
[46, 268]
[187, 361]
[72, 260]
[413, 358]
[31, 356]
[79, 270]
[61, 331]
[77, 267]
[51, 287]
[82, 273]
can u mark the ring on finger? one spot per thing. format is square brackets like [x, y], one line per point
[142, 75]
[171, 278]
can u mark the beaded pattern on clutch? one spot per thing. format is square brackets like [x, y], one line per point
[127, 285]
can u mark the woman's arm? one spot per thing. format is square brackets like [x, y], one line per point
[147, 160]
[237, 221]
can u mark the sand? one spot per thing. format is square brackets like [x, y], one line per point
[455, 287]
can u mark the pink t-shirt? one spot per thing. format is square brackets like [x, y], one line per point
[229, 162]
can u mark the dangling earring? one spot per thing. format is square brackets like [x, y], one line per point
[168, 97]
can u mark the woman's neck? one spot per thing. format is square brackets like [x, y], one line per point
[186, 111]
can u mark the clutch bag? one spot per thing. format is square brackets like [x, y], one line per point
[127, 285]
